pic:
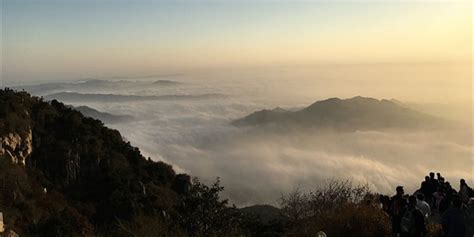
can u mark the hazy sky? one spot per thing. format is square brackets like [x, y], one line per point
[259, 55]
[72, 39]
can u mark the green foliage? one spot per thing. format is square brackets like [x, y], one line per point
[14, 111]
[203, 213]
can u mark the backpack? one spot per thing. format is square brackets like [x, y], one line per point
[408, 224]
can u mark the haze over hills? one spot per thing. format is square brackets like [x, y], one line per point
[84, 97]
[33, 128]
[102, 116]
[357, 113]
[176, 129]
[165, 82]
[108, 109]
[63, 174]
[89, 84]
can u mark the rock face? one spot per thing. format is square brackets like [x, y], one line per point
[16, 147]
[93, 178]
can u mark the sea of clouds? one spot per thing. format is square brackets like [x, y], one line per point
[257, 165]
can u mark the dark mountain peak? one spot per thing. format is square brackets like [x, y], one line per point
[397, 102]
[354, 101]
[357, 113]
[361, 99]
[352, 104]
[165, 82]
[102, 116]
[279, 110]
[79, 177]
[328, 101]
[96, 81]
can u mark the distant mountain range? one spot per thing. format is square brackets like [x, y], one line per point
[54, 87]
[104, 117]
[65, 174]
[86, 97]
[165, 82]
[358, 113]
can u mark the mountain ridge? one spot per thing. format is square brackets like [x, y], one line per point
[85, 97]
[64, 174]
[357, 113]
[102, 116]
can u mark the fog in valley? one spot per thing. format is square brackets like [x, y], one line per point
[185, 119]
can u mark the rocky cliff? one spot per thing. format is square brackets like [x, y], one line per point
[16, 147]
[64, 174]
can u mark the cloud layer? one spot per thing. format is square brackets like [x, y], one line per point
[257, 164]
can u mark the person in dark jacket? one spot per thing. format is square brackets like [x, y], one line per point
[397, 204]
[464, 191]
[427, 189]
[453, 220]
[413, 222]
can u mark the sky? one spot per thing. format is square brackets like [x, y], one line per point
[53, 40]
[257, 55]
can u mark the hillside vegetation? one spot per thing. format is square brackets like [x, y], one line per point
[83, 179]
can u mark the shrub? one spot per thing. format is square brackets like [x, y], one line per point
[338, 208]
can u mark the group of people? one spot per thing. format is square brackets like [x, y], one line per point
[436, 201]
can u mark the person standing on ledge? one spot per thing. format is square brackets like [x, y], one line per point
[423, 206]
[397, 205]
[413, 222]
[453, 220]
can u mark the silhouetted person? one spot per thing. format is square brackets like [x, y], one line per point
[469, 218]
[438, 175]
[438, 197]
[434, 182]
[464, 191]
[453, 220]
[427, 189]
[441, 181]
[385, 201]
[449, 195]
[432, 176]
[413, 222]
[397, 205]
[423, 206]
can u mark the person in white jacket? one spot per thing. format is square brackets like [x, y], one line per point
[423, 206]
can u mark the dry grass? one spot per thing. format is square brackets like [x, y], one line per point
[338, 208]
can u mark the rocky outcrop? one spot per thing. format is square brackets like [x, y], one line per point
[16, 147]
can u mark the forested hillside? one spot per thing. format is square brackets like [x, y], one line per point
[78, 177]
[63, 174]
